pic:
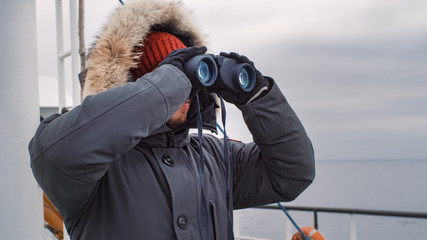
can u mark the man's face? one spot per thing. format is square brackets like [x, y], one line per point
[180, 116]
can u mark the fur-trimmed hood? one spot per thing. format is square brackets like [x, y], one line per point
[112, 55]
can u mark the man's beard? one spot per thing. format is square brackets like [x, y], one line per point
[179, 117]
[175, 123]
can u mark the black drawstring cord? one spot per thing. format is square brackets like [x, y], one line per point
[203, 203]
[203, 206]
[227, 164]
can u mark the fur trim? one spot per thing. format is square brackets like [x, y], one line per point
[112, 55]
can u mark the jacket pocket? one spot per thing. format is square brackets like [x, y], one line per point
[214, 216]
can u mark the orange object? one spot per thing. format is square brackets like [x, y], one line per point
[156, 47]
[309, 232]
[52, 218]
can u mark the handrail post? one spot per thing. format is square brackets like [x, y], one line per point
[60, 55]
[316, 223]
[288, 229]
[75, 56]
[352, 227]
[236, 225]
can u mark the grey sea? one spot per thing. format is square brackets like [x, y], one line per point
[395, 185]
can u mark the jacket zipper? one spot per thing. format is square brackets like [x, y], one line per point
[171, 138]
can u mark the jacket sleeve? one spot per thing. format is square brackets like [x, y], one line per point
[71, 152]
[279, 164]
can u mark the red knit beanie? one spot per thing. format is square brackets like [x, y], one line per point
[157, 45]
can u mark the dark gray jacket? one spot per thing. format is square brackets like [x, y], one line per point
[116, 171]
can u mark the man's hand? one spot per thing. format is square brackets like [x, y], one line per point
[261, 84]
[179, 57]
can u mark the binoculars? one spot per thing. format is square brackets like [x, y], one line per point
[218, 72]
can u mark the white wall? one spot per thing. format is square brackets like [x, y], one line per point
[21, 214]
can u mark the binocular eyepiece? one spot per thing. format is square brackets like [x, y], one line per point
[218, 71]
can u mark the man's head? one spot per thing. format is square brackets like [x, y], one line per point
[115, 56]
[115, 49]
[156, 46]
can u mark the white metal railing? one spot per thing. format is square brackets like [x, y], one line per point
[73, 52]
[350, 212]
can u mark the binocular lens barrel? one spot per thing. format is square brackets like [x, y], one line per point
[220, 71]
[246, 81]
[242, 75]
[203, 68]
[204, 72]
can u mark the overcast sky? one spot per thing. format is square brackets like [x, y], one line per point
[354, 71]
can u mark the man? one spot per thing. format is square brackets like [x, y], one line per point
[122, 165]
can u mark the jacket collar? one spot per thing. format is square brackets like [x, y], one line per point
[164, 137]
